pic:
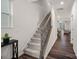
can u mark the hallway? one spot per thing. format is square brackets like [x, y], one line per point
[62, 49]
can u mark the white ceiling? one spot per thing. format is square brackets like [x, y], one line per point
[64, 9]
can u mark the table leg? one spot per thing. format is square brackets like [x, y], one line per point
[13, 51]
[17, 50]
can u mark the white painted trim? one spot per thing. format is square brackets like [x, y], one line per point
[20, 53]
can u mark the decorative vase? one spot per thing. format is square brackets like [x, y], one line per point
[6, 40]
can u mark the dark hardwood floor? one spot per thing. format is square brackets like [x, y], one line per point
[62, 49]
[24, 56]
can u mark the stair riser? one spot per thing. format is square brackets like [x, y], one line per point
[38, 31]
[36, 40]
[37, 34]
[32, 54]
[34, 47]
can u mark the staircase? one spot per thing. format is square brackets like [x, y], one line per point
[35, 45]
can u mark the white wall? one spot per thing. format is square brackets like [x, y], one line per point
[67, 24]
[53, 35]
[44, 9]
[74, 28]
[25, 19]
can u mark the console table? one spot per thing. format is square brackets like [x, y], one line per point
[14, 44]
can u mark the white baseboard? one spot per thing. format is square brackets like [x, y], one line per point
[20, 53]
